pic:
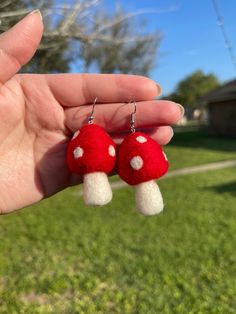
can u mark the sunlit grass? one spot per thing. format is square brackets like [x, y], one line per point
[197, 148]
[61, 257]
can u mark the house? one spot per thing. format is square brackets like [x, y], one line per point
[221, 104]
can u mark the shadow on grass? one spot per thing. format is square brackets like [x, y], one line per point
[225, 188]
[202, 139]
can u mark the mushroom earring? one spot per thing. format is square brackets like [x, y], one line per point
[141, 161]
[91, 153]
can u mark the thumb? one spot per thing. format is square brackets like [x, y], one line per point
[19, 43]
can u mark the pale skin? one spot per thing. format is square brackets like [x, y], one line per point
[40, 113]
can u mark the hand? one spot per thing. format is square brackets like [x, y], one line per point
[39, 113]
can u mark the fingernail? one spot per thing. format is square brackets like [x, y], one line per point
[172, 133]
[37, 12]
[159, 89]
[181, 109]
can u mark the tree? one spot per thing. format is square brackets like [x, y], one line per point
[80, 32]
[126, 51]
[191, 88]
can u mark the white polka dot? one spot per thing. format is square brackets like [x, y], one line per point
[141, 139]
[136, 163]
[165, 156]
[111, 151]
[76, 134]
[78, 152]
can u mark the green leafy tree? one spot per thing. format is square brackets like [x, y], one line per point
[190, 89]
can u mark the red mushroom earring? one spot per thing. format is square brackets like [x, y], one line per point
[141, 161]
[91, 153]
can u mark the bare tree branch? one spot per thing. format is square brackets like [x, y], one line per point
[88, 38]
[70, 17]
[5, 4]
[72, 30]
[80, 10]
[127, 16]
[14, 13]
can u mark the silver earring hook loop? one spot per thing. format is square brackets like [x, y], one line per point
[132, 117]
[91, 117]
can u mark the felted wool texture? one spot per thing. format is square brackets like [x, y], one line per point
[96, 189]
[148, 198]
[139, 160]
[92, 150]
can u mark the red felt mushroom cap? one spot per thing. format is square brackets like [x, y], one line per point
[91, 150]
[141, 159]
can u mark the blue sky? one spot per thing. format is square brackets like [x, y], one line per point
[191, 37]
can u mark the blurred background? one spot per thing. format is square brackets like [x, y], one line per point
[61, 257]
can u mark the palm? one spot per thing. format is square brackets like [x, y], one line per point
[39, 113]
[34, 139]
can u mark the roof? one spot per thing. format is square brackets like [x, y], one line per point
[225, 92]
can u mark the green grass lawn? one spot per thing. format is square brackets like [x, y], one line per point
[188, 149]
[61, 257]
[196, 148]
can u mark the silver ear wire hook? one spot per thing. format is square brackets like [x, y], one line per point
[91, 117]
[132, 117]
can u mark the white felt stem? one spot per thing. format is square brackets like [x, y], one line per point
[97, 190]
[148, 198]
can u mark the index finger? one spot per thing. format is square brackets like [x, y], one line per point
[78, 89]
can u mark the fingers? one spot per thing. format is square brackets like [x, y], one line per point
[115, 117]
[161, 135]
[18, 44]
[78, 89]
